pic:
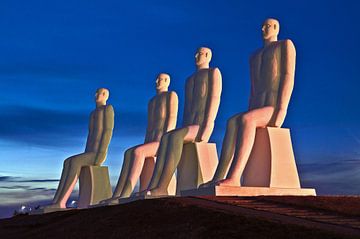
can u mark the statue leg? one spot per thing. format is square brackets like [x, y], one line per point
[245, 140]
[73, 170]
[124, 172]
[62, 179]
[176, 140]
[227, 150]
[141, 152]
[160, 160]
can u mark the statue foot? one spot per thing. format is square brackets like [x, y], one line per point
[229, 182]
[114, 201]
[138, 194]
[208, 184]
[110, 201]
[55, 205]
[157, 192]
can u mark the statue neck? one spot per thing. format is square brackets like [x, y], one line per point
[203, 66]
[159, 91]
[99, 104]
[270, 40]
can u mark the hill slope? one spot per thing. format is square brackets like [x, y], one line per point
[207, 217]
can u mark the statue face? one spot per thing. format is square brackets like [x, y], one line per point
[101, 95]
[270, 28]
[162, 81]
[202, 56]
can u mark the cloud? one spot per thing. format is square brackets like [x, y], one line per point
[339, 177]
[6, 178]
[38, 181]
[43, 127]
[14, 187]
[21, 180]
[19, 190]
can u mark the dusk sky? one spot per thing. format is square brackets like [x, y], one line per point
[55, 54]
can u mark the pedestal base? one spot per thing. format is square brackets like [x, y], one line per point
[142, 197]
[49, 210]
[248, 191]
[94, 185]
[272, 162]
[197, 165]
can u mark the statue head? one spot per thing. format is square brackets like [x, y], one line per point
[270, 29]
[203, 57]
[101, 96]
[162, 82]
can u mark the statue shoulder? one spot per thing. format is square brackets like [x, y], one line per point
[92, 114]
[255, 53]
[190, 79]
[172, 98]
[288, 45]
[215, 71]
[172, 95]
[216, 75]
[152, 99]
[109, 109]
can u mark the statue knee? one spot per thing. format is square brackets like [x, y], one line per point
[176, 135]
[245, 119]
[138, 152]
[75, 161]
[232, 122]
[167, 134]
[128, 153]
[67, 161]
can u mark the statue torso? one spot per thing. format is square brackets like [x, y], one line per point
[96, 131]
[159, 111]
[198, 85]
[266, 67]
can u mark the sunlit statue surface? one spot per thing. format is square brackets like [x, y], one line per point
[162, 116]
[100, 132]
[202, 98]
[272, 70]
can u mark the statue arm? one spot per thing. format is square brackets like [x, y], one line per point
[252, 77]
[150, 123]
[188, 99]
[91, 126]
[172, 112]
[212, 105]
[288, 55]
[106, 135]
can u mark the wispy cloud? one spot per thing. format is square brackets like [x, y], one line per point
[21, 180]
[339, 177]
[54, 128]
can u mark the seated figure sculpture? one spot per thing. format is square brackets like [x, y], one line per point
[101, 125]
[162, 116]
[202, 99]
[272, 70]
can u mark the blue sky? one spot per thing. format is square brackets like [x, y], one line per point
[54, 54]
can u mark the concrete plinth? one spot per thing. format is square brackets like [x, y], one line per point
[248, 191]
[146, 175]
[141, 197]
[94, 185]
[272, 161]
[197, 165]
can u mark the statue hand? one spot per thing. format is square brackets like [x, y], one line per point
[278, 118]
[204, 133]
[100, 158]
